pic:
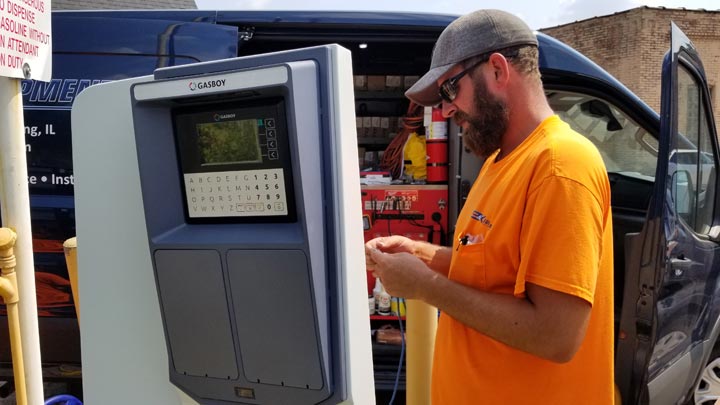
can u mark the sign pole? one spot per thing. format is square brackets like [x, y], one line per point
[25, 53]
[15, 207]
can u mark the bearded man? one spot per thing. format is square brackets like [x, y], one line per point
[526, 290]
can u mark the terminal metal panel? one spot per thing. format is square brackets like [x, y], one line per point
[273, 308]
[199, 344]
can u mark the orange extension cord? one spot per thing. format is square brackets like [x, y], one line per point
[393, 158]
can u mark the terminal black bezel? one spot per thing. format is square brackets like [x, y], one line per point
[184, 123]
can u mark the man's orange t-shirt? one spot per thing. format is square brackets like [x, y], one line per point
[540, 215]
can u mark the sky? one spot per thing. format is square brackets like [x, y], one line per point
[537, 13]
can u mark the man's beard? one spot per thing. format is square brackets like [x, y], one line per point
[487, 125]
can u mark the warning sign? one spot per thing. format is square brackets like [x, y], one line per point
[25, 39]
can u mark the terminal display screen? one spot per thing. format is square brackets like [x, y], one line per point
[235, 162]
[229, 142]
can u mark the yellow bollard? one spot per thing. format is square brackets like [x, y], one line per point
[9, 293]
[70, 248]
[421, 326]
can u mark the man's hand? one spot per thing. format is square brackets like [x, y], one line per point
[402, 274]
[388, 244]
[436, 257]
[392, 244]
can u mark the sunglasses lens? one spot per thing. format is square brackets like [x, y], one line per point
[447, 92]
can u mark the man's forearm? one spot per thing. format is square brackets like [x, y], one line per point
[516, 322]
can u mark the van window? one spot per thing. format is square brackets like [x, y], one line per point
[625, 146]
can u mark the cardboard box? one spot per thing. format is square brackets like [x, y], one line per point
[385, 127]
[393, 82]
[359, 127]
[360, 82]
[376, 83]
[408, 81]
[376, 129]
[367, 127]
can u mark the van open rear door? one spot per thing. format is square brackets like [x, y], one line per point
[671, 277]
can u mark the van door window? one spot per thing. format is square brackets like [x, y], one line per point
[692, 165]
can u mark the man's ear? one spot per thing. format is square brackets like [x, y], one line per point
[500, 70]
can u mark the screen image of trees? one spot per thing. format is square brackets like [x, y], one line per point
[229, 142]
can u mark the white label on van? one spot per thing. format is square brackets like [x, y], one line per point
[25, 39]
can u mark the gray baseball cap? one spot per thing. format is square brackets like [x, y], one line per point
[473, 34]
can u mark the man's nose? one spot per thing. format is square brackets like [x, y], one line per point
[448, 109]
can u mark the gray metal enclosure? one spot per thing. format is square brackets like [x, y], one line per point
[244, 182]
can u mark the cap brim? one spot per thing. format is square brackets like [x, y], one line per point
[425, 91]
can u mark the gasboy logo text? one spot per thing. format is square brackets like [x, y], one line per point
[206, 85]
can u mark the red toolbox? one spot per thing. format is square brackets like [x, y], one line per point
[418, 212]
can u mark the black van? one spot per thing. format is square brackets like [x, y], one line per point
[666, 225]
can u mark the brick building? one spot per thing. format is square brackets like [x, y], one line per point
[631, 45]
[121, 4]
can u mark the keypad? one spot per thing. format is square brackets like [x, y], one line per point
[242, 193]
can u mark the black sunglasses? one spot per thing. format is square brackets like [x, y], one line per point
[448, 89]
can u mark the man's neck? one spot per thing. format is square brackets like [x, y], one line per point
[526, 114]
